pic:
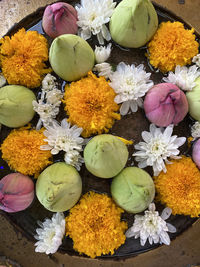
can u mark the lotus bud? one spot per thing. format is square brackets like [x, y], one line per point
[133, 189]
[16, 192]
[59, 187]
[59, 18]
[165, 104]
[105, 155]
[196, 153]
[16, 107]
[133, 23]
[71, 57]
[193, 98]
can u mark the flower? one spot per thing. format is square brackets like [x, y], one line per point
[48, 83]
[48, 105]
[183, 77]
[104, 69]
[92, 17]
[195, 130]
[50, 234]
[152, 227]
[172, 45]
[158, 145]
[130, 84]
[22, 58]
[196, 60]
[179, 188]
[102, 53]
[2, 80]
[94, 225]
[21, 150]
[90, 105]
[63, 138]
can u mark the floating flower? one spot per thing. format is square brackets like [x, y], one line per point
[196, 60]
[102, 53]
[152, 227]
[50, 234]
[104, 69]
[92, 17]
[2, 80]
[94, 225]
[49, 83]
[48, 105]
[158, 145]
[130, 84]
[21, 150]
[22, 58]
[183, 77]
[179, 188]
[90, 105]
[172, 45]
[63, 138]
[195, 130]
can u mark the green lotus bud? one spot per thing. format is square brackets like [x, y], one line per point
[16, 107]
[133, 189]
[193, 98]
[59, 187]
[105, 155]
[133, 23]
[71, 57]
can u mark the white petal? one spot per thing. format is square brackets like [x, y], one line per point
[124, 108]
[171, 228]
[166, 213]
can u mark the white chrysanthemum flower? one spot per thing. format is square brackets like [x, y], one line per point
[64, 138]
[104, 69]
[102, 53]
[48, 83]
[54, 97]
[152, 227]
[158, 145]
[195, 130]
[74, 158]
[196, 60]
[130, 84]
[92, 17]
[183, 77]
[2, 80]
[50, 234]
[46, 111]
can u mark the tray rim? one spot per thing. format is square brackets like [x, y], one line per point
[13, 29]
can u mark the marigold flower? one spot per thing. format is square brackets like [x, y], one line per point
[22, 58]
[172, 45]
[21, 150]
[179, 188]
[94, 225]
[90, 105]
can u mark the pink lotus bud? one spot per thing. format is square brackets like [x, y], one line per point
[16, 192]
[165, 104]
[196, 153]
[59, 18]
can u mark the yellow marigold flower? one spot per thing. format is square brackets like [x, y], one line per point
[172, 45]
[95, 226]
[22, 58]
[21, 150]
[90, 105]
[179, 187]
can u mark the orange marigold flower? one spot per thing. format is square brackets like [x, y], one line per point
[95, 226]
[21, 150]
[22, 58]
[172, 45]
[90, 105]
[179, 187]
